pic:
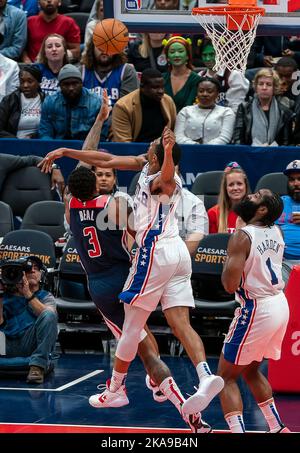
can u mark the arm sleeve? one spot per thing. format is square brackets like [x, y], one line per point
[213, 220]
[121, 125]
[237, 91]
[49, 300]
[197, 219]
[46, 128]
[20, 37]
[73, 35]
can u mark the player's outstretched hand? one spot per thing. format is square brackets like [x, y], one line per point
[46, 164]
[105, 107]
[168, 139]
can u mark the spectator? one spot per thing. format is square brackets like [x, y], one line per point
[263, 120]
[110, 72]
[205, 122]
[13, 29]
[208, 56]
[30, 7]
[20, 111]
[148, 53]
[266, 49]
[51, 58]
[286, 68]
[142, 115]
[181, 81]
[234, 187]
[49, 22]
[70, 113]
[289, 221]
[96, 15]
[10, 163]
[28, 319]
[9, 76]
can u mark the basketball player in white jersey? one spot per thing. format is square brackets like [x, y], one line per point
[253, 271]
[160, 272]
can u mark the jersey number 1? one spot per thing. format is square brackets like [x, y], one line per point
[93, 240]
[274, 279]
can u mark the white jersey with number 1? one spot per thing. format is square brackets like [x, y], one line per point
[262, 275]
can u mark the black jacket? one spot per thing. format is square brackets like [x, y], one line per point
[243, 125]
[10, 112]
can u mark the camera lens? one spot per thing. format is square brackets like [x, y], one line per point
[12, 274]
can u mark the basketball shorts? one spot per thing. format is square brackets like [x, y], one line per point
[160, 273]
[257, 330]
[104, 289]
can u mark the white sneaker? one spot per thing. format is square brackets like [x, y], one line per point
[208, 388]
[157, 394]
[109, 399]
[196, 424]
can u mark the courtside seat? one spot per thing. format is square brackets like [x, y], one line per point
[47, 216]
[212, 302]
[6, 219]
[208, 185]
[23, 187]
[277, 182]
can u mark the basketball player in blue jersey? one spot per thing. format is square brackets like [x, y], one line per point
[253, 270]
[161, 269]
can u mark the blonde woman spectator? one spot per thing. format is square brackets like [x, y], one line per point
[148, 53]
[51, 58]
[205, 122]
[234, 187]
[263, 120]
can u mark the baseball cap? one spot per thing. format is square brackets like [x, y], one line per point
[69, 71]
[36, 261]
[293, 166]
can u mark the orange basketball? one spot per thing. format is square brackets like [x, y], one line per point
[110, 36]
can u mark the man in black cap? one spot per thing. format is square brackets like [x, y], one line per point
[70, 113]
[28, 315]
[289, 221]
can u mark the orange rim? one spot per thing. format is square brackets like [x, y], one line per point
[228, 10]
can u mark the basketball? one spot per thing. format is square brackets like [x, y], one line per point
[110, 36]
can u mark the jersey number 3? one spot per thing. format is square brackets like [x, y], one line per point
[91, 233]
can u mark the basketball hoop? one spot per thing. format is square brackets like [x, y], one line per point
[232, 29]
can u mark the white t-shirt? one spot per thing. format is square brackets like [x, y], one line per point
[9, 76]
[30, 116]
[191, 214]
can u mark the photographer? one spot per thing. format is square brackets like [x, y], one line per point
[28, 314]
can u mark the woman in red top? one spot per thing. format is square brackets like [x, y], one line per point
[234, 187]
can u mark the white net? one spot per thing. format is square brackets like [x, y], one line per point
[232, 47]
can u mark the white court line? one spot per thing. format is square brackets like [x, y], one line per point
[58, 389]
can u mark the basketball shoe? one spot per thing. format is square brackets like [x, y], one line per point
[157, 394]
[208, 388]
[196, 424]
[108, 398]
[282, 430]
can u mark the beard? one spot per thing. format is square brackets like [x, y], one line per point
[294, 195]
[246, 209]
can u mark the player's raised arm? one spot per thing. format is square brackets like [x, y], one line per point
[96, 158]
[237, 253]
[165, 183]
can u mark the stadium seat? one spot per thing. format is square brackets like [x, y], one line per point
[86, 6]
[133, 183]
[76, 311]
[6, 219]
[277, 182]
[208, 185]
[23, 187]
[47, 216]
[81, 20]
[211, 300]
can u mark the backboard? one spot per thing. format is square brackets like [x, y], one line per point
[282, 16]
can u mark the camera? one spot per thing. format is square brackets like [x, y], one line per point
[12, 270]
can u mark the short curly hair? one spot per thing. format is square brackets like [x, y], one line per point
[82, 183]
